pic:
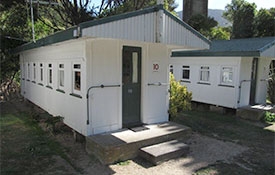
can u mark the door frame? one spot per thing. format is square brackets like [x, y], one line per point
[253, 85]
[139, 50]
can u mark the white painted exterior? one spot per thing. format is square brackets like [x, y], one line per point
[233, 96]
[97, 47]
[100, 61]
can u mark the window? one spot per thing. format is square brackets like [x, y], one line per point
[34, 72]
[171, 69]
[29, 71]
[50, 74]
[22, 71]
[185, 72]
[41, 72]
[204, 74]
[61, 76]
[77, 77]
[227, 75]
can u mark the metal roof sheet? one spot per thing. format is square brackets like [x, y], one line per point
[234, 47]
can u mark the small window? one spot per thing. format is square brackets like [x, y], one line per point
[29, 71]
[227, 75]
[77, 77]
[34, 72]
[61, 76]
[41, 72]
[50, 74]
[204, 73]
[171, 69]
[185, 72]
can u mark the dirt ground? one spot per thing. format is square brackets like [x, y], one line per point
[204, 152]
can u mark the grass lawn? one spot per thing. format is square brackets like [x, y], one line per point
[260, 157]
[25, 147]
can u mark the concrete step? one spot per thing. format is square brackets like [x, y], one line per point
[255, 112]
[125, 144]
[161, 152]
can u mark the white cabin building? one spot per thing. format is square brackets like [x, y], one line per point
[107, 74]
[230, 74]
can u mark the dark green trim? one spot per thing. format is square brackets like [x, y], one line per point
[205, 53]
[267, 46]
[60, 90]
[40, 84]
[182, 23]
[224, 85]
[51, 39]
[203, 83]
[49, 87]
[120, 16]
[75, 95]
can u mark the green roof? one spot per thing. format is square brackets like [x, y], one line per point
[68, 34]
[235, 47]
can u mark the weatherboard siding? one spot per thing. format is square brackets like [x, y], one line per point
[176, 32]
[138, 28]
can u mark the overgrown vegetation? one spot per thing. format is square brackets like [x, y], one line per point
[180, 98]
[269, 117]
[271, 83]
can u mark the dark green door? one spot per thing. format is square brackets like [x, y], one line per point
[253, 81]
[131, 86]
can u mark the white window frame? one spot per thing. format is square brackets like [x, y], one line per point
[61, 69]
[34, 72]
[76, 91]
[185, 68]
[171, 69]
[204, 68]
[41, 73]
[50, 75]
[222, 75]
[28, 71]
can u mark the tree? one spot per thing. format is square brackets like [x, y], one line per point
[265, 23]
[220, 33]
[202, 24]
[113, 7]
[241, 14]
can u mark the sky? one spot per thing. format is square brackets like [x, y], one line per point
[220, 4]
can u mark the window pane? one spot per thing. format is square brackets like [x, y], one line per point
[61, 65]
[41, 74]
[135, 67]
[171, 69]
[50, 76]
[227, 75]
[77, 79]
[61, 78]
[77, 66]
[204, 73]
[185, 74]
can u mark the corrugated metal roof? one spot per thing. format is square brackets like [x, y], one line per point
[108, 23]
[235, 47]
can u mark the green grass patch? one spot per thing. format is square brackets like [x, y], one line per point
[225, 127]
[25, 147]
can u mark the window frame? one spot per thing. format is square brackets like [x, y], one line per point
[222, 75]
[74, 70]
[50, 75]
[185, 68]
[59, 76]
[33, 72]
[171, 68]
[201, 70]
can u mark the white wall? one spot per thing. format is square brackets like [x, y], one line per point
[105, 67]
[212, 93]
[261, 88]
[49, 99]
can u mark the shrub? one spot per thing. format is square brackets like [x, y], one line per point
[271, 89]
[269, 117]
[180, 98]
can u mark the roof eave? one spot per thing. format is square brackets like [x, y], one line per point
[216, 54]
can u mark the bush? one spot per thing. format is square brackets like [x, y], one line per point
[180, 98]
[271, 89]
[269, 117]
